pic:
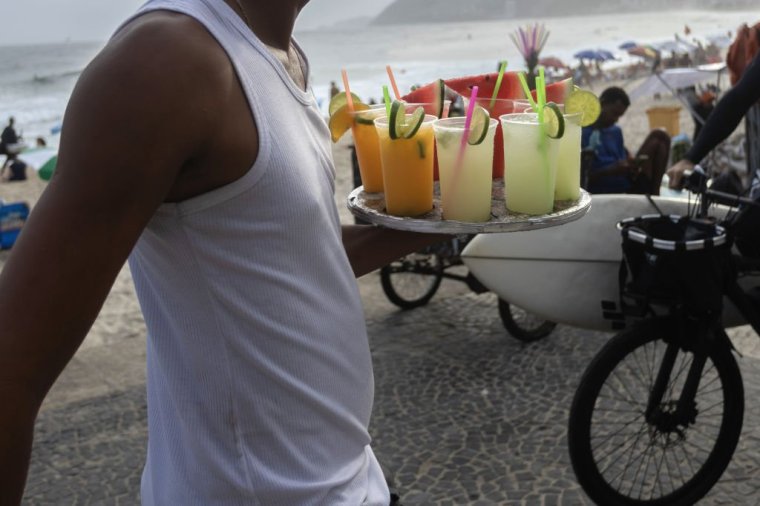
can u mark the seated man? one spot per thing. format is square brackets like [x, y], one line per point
[13, 169]
[613, 169]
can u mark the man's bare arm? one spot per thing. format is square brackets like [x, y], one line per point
[371, 248]
[131, 124]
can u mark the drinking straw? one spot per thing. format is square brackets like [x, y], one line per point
[502, 68]
[526, 90]
[393, 82]
[349, 98]
[387, 98]
[541, 93]
[467, 125]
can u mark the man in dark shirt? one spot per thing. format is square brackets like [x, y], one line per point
[9, 136]
[613, 169]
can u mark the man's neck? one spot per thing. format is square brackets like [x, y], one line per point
[272, 22]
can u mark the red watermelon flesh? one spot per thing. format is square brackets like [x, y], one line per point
[558, 92]
[510, 85]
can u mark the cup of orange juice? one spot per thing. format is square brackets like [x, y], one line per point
[407, 151]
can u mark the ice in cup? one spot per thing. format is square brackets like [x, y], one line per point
[407, 169]
[501, 106]
[368, 148]
[531, 160]
[568, 185]
[465, 189]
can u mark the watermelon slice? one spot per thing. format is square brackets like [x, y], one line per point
[432, 96]
[558, 92]
[510, 85]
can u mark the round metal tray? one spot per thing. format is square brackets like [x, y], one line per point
[370, 207]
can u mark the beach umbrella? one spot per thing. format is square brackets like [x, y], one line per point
[606, 55]
[588, 54]
[627, 45]
[643, 51]
[553, 62]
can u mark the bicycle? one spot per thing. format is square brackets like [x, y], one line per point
[413, 280]
[659, 410]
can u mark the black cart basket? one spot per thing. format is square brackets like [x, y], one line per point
[671, 260]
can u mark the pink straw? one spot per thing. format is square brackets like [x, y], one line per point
[393, 82]
[467, 124]
[349, 98]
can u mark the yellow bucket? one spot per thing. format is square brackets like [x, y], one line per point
[665, 117]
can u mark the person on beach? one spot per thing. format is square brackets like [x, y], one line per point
[333, 89]
[13, 169]
[9, 137]
[259, 374]
[613, 169]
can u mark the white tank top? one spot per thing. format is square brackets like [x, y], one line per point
[259, 372]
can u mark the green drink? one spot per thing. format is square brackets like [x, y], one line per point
[531, 160]
[465, 189]
[568, 186]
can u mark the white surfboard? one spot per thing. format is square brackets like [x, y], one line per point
[569, 274]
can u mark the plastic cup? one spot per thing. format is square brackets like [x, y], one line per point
[501, 107]
[368, 148]
[465, 190]
[407, 169]
[568, 186]
[431, 109]
[531, 158]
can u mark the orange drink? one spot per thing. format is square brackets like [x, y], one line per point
[368, 148]
[407, 168]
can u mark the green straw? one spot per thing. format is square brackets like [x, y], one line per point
[387, 97]
[541, 93]
[526, 90]
[498, 84]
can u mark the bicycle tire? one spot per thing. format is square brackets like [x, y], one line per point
[412, 281]
[528, 329]
[587, 400]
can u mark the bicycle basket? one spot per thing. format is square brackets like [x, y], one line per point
[673, 259]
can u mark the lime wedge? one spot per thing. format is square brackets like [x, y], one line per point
[401, 125]
[396, 119]
[339, 100]
[478, 126]
[586, 103]
[554, 122]
[413, 122]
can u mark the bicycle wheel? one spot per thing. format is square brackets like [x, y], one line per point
[523, 325]
[413, 280]
[622, 456]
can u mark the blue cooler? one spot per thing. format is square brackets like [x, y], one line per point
[12, 219]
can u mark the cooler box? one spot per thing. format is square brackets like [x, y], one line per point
[665, 117]
[12, 219]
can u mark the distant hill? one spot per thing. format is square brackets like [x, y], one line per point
[442, 11]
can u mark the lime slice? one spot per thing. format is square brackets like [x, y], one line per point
[413, 122]
[478, 126]
[554, 122]
[339, 100]
[396, 119]
[439, 98]
[401, 125]
[586, 103]
[342, 120]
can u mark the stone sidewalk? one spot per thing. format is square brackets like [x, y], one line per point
[464, 414]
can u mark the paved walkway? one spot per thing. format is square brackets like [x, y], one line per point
[464, 414]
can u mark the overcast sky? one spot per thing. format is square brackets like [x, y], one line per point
[39, 21]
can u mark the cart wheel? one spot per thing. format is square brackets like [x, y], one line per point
[413, 280]
[523, 325]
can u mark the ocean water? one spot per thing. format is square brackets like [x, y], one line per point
[36, 81]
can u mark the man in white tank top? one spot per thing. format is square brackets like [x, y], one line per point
[192, 147]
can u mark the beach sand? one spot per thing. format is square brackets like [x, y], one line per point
[112, 355]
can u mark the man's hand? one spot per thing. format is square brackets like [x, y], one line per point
[675, 173]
